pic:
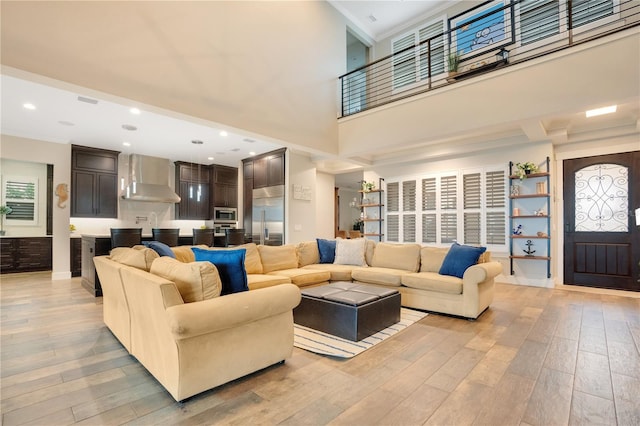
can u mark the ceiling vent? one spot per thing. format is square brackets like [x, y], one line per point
[87, 100]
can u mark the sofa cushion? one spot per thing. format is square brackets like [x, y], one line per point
[433, 281]
[252, 261]
[338, 272]
[375, 275]
[139, 257]
[350, 252]
[161, 248]
[303, 277]
[397, 256]
[369, 250]
[431, 258]
[327, 250]
[196, 281]
[185, 254]
[230, 264]
[459, 258]
[257, 281]
[276, 258]
[308, 253]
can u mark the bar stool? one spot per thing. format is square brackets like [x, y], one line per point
[168, 236]
[234, 237]
[203, 236]
[125, 237]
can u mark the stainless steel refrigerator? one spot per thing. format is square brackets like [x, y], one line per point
[268, 216]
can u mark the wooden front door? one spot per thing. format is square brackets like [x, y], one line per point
[601, 237]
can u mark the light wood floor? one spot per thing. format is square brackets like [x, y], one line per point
[536, 357]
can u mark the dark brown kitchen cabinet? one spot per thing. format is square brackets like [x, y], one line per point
[225, 186]
[29, 254]
[94, 182]
[92, 247]
[247, 194]
[75, 245]
[268, 169]
[193, 187]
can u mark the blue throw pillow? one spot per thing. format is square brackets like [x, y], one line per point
[161, 248]
[327, 249]
[230, 265]
[459, 258]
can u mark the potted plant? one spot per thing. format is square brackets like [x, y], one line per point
[523, 169]
[453, 62]
[4, 210]
[368, 186]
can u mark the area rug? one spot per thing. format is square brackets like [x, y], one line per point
[327, 344]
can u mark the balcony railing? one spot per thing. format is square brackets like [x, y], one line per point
[484, 39]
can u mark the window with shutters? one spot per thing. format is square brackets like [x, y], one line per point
[468, 207]
[21, 195]
[411, 61]
[543, 19]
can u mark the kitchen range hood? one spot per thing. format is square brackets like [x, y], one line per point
[149, 180]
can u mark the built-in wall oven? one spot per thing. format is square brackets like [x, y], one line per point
[220, 228]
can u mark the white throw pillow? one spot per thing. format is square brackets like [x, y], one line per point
[350, 252]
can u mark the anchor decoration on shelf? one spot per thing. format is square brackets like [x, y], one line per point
[528, 251]
[517, 230]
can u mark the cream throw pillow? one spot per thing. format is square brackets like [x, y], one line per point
[139, 257]
[350, 252]
[308, 253]
[196, 281]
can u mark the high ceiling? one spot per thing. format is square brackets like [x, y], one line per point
[169, 67]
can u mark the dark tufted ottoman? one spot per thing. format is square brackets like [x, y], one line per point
[348, 310]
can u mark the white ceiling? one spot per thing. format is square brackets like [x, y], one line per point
[60, 117]
[378, 19]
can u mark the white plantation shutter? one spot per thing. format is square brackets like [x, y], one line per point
[409, 228]
[585, 11]
[496, 202]
[393, 197]
[429, 194]
[429, 228]
[437, 49]
[21, 194]
[393, 228]
[539, 19]
[448, 227]
[404, 64]
[448, 194]
[468, 207]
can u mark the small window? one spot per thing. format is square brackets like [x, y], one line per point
[21, 195]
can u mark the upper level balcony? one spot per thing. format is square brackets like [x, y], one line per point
[527, 71]
[485, 39]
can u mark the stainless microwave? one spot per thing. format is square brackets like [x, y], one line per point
[225, 215]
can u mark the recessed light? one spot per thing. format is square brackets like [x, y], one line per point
[224, 134]
[601, 111]
[197, 142]
[252, 153]
[210, 158]
[129, 127]
[126, 144]
[134, 111]
[29, 106]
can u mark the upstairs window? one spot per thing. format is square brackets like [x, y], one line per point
[412, 65]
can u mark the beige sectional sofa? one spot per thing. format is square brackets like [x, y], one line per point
[190, 347]
[412, 268]
[168, 314]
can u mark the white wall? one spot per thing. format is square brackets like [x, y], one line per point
[325, 185]
[300, 221]
[60, 156]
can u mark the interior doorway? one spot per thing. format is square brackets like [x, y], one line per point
[601, 236]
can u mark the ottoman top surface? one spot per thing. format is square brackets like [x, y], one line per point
[348, 292]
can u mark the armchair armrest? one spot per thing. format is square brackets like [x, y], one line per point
[208, 316]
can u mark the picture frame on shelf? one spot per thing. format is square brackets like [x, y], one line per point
[472, 33]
